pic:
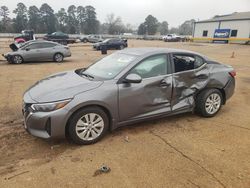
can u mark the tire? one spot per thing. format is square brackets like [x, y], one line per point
[84, 40]
[58, 57]
[17, 59]
[65, 43]
[208, 102]
[87, 122]
[121, 47]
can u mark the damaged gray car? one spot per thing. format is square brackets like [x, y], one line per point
[126, 87]
[37, 50]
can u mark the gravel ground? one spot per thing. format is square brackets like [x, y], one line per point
[179, 151]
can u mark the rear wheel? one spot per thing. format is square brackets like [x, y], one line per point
[88, 125]
[208, 102]
[58, 57]
[85, 40]
[121, 47]
[17, 59]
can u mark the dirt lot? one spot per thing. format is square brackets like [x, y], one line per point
[179, 151]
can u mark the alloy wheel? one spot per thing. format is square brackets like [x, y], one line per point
[58, 58]
[17, 59]
[213, 103]
[89, 127]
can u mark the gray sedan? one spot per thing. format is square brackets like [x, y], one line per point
[126, 87]
[37, 51]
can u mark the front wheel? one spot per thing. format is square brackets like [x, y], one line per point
[17, 59]
[208, 102]
[88, 125]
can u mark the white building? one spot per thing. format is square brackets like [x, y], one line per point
[231, 28]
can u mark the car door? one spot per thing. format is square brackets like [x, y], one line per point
[114, 43]
[150, 97]
[190, 75]
[30, 52]
[47, 51]
[109, 43]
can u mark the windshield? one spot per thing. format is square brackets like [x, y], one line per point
[106, 40]
[110, 66]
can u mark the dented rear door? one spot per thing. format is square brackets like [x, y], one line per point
[186, 84]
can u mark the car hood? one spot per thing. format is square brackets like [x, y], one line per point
[13, 47]
[60, 86]
[98, 43]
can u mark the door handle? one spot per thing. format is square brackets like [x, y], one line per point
[164, 83]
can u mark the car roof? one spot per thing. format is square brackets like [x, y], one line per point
[152, 51]
[41, 41]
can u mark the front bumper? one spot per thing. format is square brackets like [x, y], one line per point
[45, 124]
[96, 47]
[7, 57]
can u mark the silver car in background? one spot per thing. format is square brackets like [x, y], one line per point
[37, 51]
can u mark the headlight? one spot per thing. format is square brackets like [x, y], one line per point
[48, 107]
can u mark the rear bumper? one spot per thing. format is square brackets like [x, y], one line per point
[229, 88]
[67, 54]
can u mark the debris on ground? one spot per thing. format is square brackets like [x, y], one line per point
[53, 170]
[16, 175]
[233, 55]
[75, 159]
[126, 138]
[54, 146]
[103, 169]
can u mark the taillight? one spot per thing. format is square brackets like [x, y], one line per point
[233, 73]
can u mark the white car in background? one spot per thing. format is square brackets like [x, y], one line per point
[172, 38]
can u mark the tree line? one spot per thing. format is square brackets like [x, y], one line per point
[79, 20]
[44, 19]
[151, 26]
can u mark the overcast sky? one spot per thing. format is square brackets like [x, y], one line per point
[134, 12]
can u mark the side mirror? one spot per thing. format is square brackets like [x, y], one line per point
[133, 78]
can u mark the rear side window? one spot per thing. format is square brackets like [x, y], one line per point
[34, 46]
[186, 62]
[152, 66]
[47, 45]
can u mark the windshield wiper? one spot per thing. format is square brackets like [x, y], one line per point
[90, 77]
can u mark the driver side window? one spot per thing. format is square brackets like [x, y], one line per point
[151, 67]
